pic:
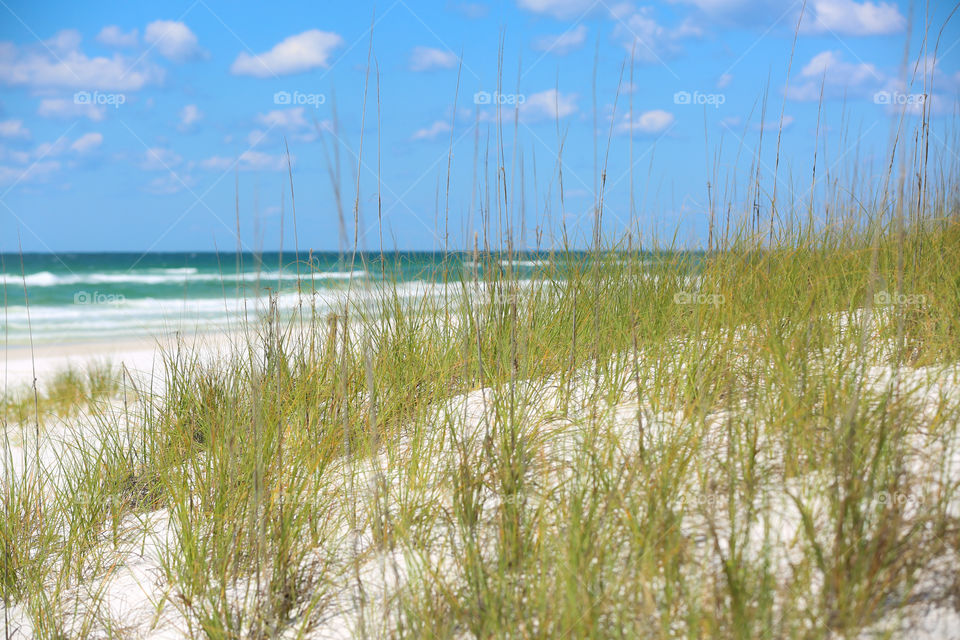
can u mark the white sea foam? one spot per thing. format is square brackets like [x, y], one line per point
[146, 316]
[168, 276]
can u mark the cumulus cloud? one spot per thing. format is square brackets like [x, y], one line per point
[40, 163]
[189, 116]
[563, 43]
[36, 172]
[429, 133]
[114, 36]
[561, 9]
[425, 58]
[775, 125]
[169, 183]
[64, 40]
[248, 161]
[51, 149]
[294, 123]
[741, 13]
[87, 142]
[287, 119]
[173, 40]
[159, 159]
[847, 17]
[68, 108]
[65, 66]
[296, 54]
[548, 105]
[646, 123]
[649, 40]
[13, 129]
[838, 77]
[721, 6]
[472, 10]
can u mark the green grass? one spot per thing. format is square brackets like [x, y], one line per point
[628, 468]
[66, 394]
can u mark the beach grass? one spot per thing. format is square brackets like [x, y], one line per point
[623, 444]
[68, 392]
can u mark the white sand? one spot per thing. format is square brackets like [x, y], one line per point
[142, 357]
[136, 594]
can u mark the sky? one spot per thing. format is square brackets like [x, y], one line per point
[168, 126]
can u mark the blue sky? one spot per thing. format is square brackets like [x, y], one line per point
[129, 126]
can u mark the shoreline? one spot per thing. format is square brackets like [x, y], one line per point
[19, 364]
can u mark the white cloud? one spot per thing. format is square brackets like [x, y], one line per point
[13, 155]
[13, 129]
[831, 63]
[173, 40]
[37, 172]
[68, 108]
[847, 17]
[899, 96]
[775, 124]
[302, 52]
[113, 36]
[935, 104]
[716, 6]
[548, 105]
[649, 40]
[160, 159]
[563, 43]
[51, 149]
[256, 136]
[189, 116]
[740, 13]
[472, 10]
[169, 183]
[558, 8]
[646, 123]
[429, 133]
[87, 142]
[293, 123]
[248, 161]
[64, 41]
[425, 58]
[71, 68]
[40, 163]
[287, 119]
[257, 161]
[838, 77]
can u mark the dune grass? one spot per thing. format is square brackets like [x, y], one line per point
[635, 447]
[67, 393]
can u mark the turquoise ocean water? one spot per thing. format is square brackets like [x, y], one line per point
[74, 297]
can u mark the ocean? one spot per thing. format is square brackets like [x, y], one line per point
[75, 297]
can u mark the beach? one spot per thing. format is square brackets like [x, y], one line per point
[140, 355]
[413, 485]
